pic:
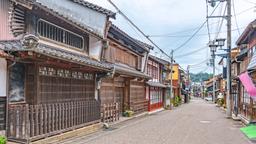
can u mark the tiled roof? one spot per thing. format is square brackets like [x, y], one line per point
[245, 35]
[140, 43]
[72, 17]
[56, 53]
[162, 61]
[95, 7]
[156, 84]
[128, 71]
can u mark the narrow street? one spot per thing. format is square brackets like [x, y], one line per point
[198, 122]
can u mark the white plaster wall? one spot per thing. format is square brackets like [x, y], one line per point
[86, 17]
[3, 74]
[95, 48]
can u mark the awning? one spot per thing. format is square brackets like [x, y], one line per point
[248, 84]
[252, 64]
[47, 50]
[156, 84]
[242, 55]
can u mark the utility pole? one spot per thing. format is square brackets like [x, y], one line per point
[171, 90]
[214, 80]
[229, 113]
[228, 18]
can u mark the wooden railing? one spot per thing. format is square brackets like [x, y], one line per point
[110, 113]
[33, 122]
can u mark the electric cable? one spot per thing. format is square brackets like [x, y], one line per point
[202, 25]
[234, 11]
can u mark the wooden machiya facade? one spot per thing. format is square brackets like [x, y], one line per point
[245, 62]
[127, 86]
[156, 89]
[55, 68]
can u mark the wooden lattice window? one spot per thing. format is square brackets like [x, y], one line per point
[53, 32]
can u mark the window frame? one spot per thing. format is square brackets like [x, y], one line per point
[83, 48]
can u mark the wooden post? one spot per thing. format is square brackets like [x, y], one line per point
[27, 123]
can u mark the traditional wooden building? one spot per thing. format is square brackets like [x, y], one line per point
[246, 60]
[55, 68]
[156, 88]
[127, 86]
[235, 84]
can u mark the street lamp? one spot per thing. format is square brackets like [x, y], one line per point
[221, 42]
[213, 48]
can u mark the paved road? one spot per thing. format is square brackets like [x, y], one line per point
[195, 123]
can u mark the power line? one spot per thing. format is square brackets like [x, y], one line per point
[178, 32]
[198, 64]
[173, 34]
[137, 28]
[207, 20]
[202, 34]
[221, 23]
[234, 11]
[249, 1]
[192, 52]
[188, 40]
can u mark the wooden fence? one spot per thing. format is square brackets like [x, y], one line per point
[33, 122]
[2, 113]
[110, 112]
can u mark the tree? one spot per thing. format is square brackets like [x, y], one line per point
[199, 77]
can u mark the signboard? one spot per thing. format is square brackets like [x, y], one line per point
[252, 64]
[3, 74]
[175, 75]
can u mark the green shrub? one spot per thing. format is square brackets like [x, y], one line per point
[128, 113]
[220, 101]
[176, 101]
[2, 140]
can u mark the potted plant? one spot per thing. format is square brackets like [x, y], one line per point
[3, 140]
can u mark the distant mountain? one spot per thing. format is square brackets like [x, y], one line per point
[200, 77]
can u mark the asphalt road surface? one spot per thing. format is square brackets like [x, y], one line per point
[198, 122]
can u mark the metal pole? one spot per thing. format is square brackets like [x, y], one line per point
[171, 90]
[214, 81]
[228, 101]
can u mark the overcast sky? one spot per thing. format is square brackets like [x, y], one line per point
[171, 22]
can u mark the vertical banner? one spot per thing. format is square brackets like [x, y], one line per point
[3, 75]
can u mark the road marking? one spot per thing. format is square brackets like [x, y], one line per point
[205, 122]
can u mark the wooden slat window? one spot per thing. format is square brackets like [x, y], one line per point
[61, 85]
[61, 35]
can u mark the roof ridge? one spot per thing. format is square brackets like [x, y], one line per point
[95, 7]
[136, 40]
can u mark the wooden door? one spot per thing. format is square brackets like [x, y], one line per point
[119, 95]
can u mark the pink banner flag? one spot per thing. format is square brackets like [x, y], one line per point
[248, 84]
